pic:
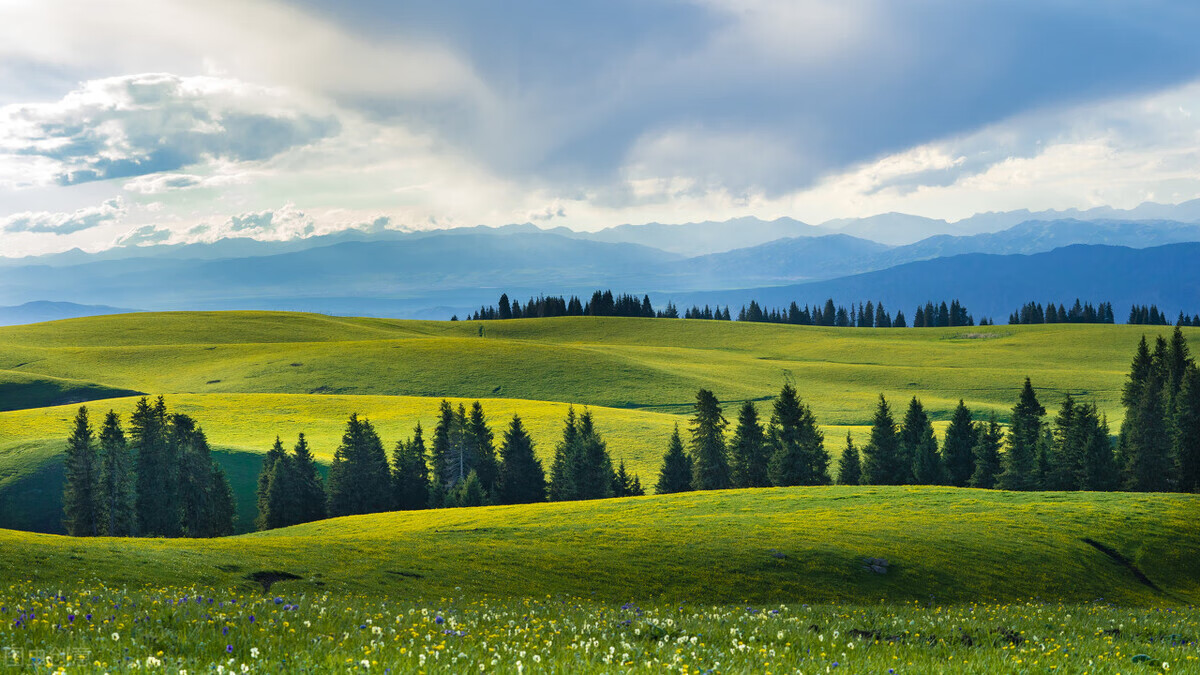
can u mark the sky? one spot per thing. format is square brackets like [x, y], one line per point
[133, 123]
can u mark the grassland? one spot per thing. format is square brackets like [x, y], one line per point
[760, 546]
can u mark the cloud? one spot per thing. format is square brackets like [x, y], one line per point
[45, 222]
[146, 235]
[137, 125]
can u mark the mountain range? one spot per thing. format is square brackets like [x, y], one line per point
[438, 273]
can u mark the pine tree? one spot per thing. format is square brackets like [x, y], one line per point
[482, 449]
[438, 453]
[1186, 445]
[1099, 467]
[1020, 462]
[410, 474]
[1067, 469]
[958, 448]
[748, 451]
[156, 471]
[676, 472]
[881, 455]
[849, 467]
[1146, 439]
[273, 457]
[81, 489]
[310, 491]
[468, 492]
[593, 470]
[625, 484]
[1177, 363]
[522, 480]
[117, 508]
[460, 456]
[918, 448]
[710, 467]
[987, 455]
[282, 505]
[798, 455]
[359, 477]
[222, 508]
[562, 487]
[195, 471]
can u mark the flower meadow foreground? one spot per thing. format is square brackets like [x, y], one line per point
[197, 630]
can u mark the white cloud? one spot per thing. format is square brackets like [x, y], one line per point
[45, 222]
[137, 125]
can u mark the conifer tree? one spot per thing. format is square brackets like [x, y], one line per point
[156, 471]
[282, 505]
[410, 473]
[438, 452]
[81, 489]
[562, 487]
[522, 480]
[460, 455]
[798, 455]
[273, 457]
[359, 477]
[710, 467]
[311, 493]
[676, 472]
[881, 455]
[1186, 442]
[1146, 439]
[222, 509]
[849, 467]
[468, 492]
[625, 484]
[593, 470]
[918, 448]
[482, 449]
[195, 480]
[1178, 362]
[1099, 467]
[117, 507]
[1066, 469]
[1020, 462]
[987, 455]
[749, 454]
[958, 448]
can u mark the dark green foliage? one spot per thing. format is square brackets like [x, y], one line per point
[81, 488]
[582, 467]
[881, 456]
[987, 454]
[957, 449]
[676, 472]
[626, 485]
[310, 498]
[273, 457]
[710, 466]
[199, 488]
[410, 473]
[1099, 466]
[1146, 439]
[467, 492]
[481, 449]
[222, 508]
[282, 504]
[522, 479]
[1186, 441]
[359, 477]
[157, 472]
[749, 454]
[918, 447]
[798, 455]
[849, 466]
[117, 514]
[1177, 363]
[1020, 462]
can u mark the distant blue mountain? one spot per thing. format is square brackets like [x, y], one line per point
[995, 285]
[42, 310]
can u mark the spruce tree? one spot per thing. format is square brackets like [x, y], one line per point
[626, 484]
[849, 467]
[468, 492]
[482, 449]
[410, 473]
[918, 448]
[710, 467]
[1020, 461]
[195, 470]
[749, 454]
[117, 508]
[881, 455]
[676, 472]
[593, 470]
[222, 508]
[522, 480]
[81, 489]
[282, 505]
[1146, 441]
[987, 454]
[1186, 442]
[798, 455]
[562, 487]
[273, 457]
[1067, 470]
[438, 452]
[1177, 363]
[958, 448]
[311, 492]
[1099, 466]
[359, 477]
[156, 470]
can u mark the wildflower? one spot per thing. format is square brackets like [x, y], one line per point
[116, 636]
[439, 620]
[228, 649]
[365, 664]
[279, 601]
[254, 652]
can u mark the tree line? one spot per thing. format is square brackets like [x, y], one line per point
[1033, 313]
[159, 481]
[460, 465]
[1158, 448]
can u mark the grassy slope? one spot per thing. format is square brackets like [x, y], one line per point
[794, 544]
[638, 363]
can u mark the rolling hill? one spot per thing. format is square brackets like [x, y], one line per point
[750, 546]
